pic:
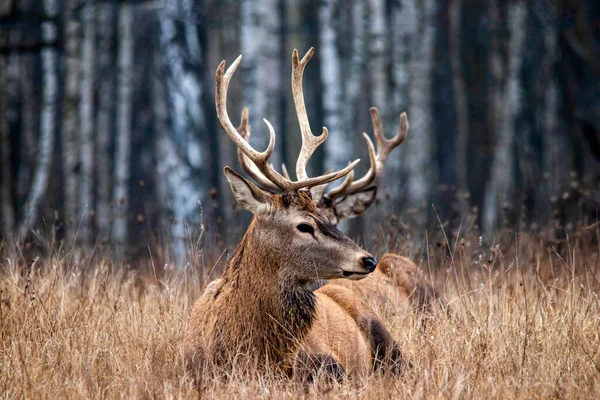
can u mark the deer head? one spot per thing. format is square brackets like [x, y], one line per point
[352, 197]
[288, 229]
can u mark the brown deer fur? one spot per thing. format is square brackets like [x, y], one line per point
[261, 313]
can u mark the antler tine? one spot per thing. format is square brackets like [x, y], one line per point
[260, 159]
[335, 192]
[385, 146]
[326, 178]
[309, 141]
[348, 186]
[248, 166]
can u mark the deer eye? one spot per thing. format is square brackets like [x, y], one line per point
[306, 228]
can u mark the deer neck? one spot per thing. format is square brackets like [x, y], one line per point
[277, 308]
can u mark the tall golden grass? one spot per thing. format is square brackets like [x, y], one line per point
[524, 323]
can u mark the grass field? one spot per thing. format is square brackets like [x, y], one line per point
[524, 323]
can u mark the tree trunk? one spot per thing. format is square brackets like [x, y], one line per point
[377, 58]
[419, 144]
[86, 114]
[353, 81]
[404, 22]
[123, 144]
[505, 110]
[261, 85]
[554, 158]
[6, 184]
[70, 146]
[329, 57]
[460, 100]
[29, 126]
[48, 122]
[105, 119]
[182, 160]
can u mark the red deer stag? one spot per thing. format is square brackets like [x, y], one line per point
[261, 313]
[397, 281]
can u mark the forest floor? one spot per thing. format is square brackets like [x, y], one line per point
[524, 323]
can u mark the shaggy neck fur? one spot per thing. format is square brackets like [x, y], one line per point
[271, 309]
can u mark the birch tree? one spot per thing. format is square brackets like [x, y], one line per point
[86, 115]
[48, 122]
[377, 58]
[123, 142]
[70, 145]
[404, 21]
[29, 124]
[505, 109]
[336, 157]
[105, 119]
[182, 158]
[419, 144]
[460, 97]
[261, 83]
[353, 78]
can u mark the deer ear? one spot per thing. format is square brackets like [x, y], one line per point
[247, 194]
[355, 204]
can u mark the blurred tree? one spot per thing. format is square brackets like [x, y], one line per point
[505, 103]
[86, 115]
[332, 85]
[262, 86]
[419, 144]
[460, 100]
[123, 139]
[105, 117]
[6, 188]
[48, 121]
[70, 144]
[377, 59]
[184, 151]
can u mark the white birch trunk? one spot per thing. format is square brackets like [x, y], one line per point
[354, 77]
[419, 143]
[404, 22]
[506, 107]
[160, 114]
[104, 122]
[377, 58]
[48, 122]
[29, 128]
[86, 115]
[123, 145]
[261, 85]
[70, 147]
[336, 157]
[460, 95]
[181, 160]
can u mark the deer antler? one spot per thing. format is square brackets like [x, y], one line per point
[384, 148]
[244, 130]
[261, 159]
[309, 141]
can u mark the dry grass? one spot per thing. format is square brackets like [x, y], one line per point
[525, 323]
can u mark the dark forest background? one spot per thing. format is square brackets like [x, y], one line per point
[109, 135]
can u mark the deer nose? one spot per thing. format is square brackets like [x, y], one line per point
[370, 263]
